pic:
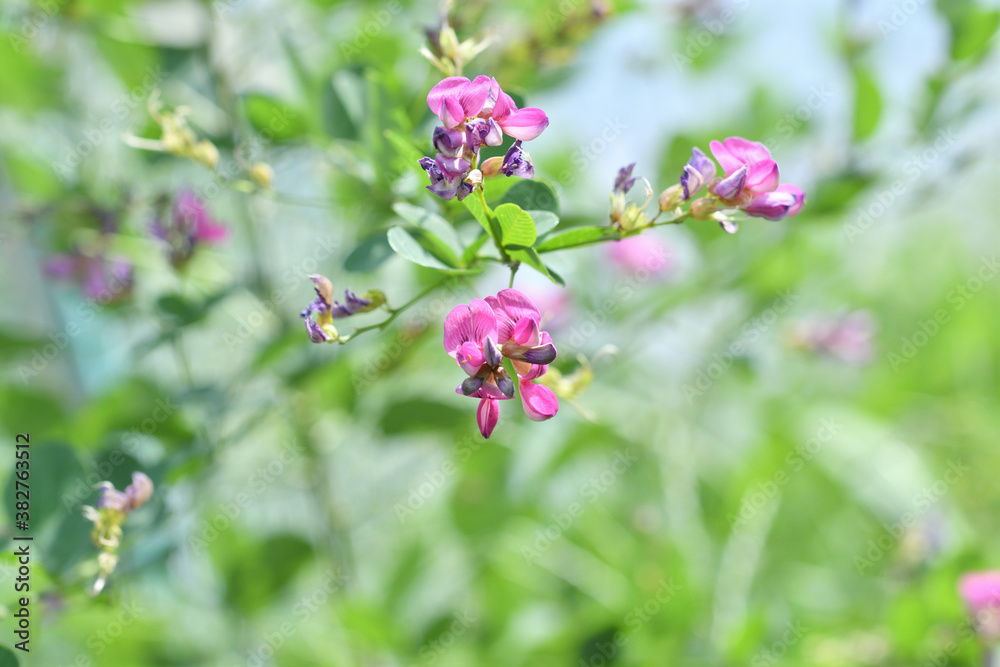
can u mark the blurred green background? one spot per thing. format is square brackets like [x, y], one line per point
[788, 456]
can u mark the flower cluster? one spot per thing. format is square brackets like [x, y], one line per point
[113, 507]
[321, 329]
[480, 334]
[187, 225]
[750, 183]
[474, 114]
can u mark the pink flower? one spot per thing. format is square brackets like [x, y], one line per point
[784, 202]
[188, 225]
[456, 100]
[981, 593]
[749, 169]
[480, 334]
[643, 252]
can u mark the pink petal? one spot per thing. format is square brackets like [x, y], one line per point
[524, 124]
[470, 357]
[746, 150]
[452, 114]
[763, 176]
[503, 106]
[211, 232]
[980, 589]
[795, 191]
[487, 415]
[62, 266]
[726, 159]
[526, 332]
[473, 96]
[446, 88]
[469, 323]
[539, 402]
[517, 305]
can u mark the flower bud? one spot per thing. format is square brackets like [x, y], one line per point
[475, 178]
[617, 207]
[376, 297]
[633, 218]
[702, 209]
[490, 167]
[262, 175]
[206, 153]
[670, 197]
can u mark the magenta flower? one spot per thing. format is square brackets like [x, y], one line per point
[785, 201]
[479, 335]
[847, 337]
[981, 593]
[188, 225]
[748, 166]
[475, 114]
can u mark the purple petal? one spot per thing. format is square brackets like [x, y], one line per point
[732, 186]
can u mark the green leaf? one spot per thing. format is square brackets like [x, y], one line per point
[431, 223]
[56, 478]
[407, 246]
[533, 195]
[480, 211]
[343, 104]
[971, 34]
[867, 104]
[574, 237]
[8, 658]
[427, 250]
[369, 254]
[273, 118]
[517, 229]
[545, 221]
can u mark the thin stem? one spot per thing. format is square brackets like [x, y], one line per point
[395, 312]
[513, 270]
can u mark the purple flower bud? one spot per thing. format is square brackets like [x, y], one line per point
[483, 132]
[471, 385]
[698, 171]
[354, 304]
[316, 334]
[624, 181]
[441, 185]
[448, 142]
[111, 498]
[492, 353]
[506, 385]
[463, 190]
[139, 491]
[732, 186]
[517, 163]
[541, 354]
